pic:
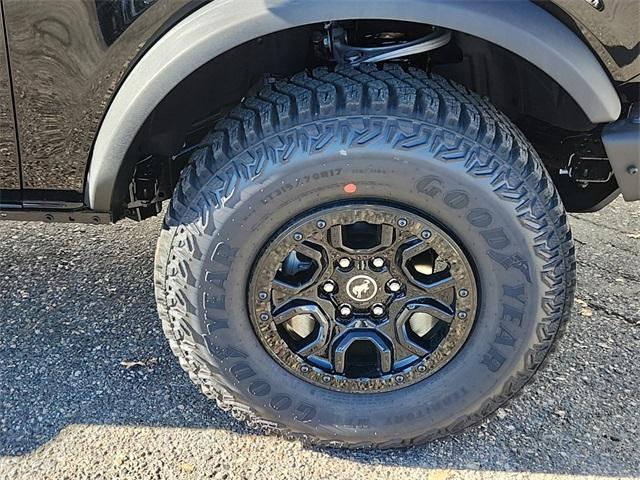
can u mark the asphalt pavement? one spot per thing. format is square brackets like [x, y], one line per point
[89, 389]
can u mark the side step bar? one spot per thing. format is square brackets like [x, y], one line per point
[55, 216]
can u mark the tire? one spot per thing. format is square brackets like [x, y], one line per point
[402, 138]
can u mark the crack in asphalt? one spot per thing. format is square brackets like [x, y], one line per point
[616, 273]
[581, 218]
[611, 313]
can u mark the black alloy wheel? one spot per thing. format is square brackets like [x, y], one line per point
[362, 297]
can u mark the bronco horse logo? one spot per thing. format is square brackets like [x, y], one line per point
[361, 288]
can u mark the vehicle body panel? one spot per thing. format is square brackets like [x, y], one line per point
[66, 65]
[9, 160]
[612, 28]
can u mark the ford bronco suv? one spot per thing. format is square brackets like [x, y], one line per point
[365, 240]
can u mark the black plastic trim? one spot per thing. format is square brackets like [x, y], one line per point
[621, 140]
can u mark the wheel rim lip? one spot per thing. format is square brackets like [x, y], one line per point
[294, 364]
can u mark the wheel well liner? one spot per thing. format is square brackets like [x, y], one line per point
[519, 26]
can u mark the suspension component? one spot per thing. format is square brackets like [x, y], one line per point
[337, 41]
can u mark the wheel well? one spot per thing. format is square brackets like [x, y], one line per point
[527, 95]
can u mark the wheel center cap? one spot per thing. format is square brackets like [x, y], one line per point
[362, 288]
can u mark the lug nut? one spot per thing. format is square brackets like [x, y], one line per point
[463, 292]
[377, 310]
[344, 263]
[394, 286]
[346, 310]
[378, 262]
[329, 287]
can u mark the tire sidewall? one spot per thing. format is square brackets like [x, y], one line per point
[488, 225]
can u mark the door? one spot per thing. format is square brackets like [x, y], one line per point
[9, 160]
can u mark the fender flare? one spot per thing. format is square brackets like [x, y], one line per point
[518, 25]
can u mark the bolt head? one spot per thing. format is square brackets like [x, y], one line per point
[304, 368]
[326, 378]
[344, 262]
[297, 236]
[402, 222]
[329, 287]
[377, 310]
[262, 295]
[399, 378]
[632, 170]
[264, 317]
[321, 224]
[378, 262]
[394, 286]
[422, 368]
[426, 234]
[463, 292]
[346, 310]
[462, 315]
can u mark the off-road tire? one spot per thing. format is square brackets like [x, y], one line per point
[449, 153]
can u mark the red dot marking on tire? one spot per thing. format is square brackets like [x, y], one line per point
[350, 188]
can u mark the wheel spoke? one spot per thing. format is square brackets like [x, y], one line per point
[282, 293]
[423, 268]
[380, 346]
[315, 253]
[440, 285]
[439, 290]
[340, 240]
[307, 321]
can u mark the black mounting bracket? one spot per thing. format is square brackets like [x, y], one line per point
[146, 192]
[588, 169]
